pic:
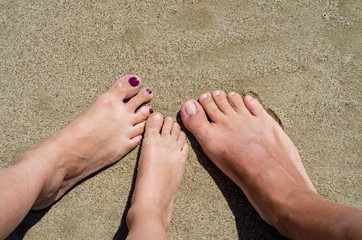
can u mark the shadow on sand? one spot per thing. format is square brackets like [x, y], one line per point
[122, 231]
[28, 222]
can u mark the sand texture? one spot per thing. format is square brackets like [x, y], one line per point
[302, 58]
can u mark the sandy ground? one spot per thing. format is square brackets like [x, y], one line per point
[302, 58]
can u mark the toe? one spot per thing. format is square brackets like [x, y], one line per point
[253, 106]
[135, 141]
[167, 126]
[181, 139]
[194, 118]
[138, 129]
[182, 143]
[127, 87]
[154, 124]
[176, 130]
[222, 102]
[211, 109]
[142, 97]
[142, 114]
[236, 101]
[185, 148]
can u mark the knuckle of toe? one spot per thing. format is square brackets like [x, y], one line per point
[119, 85]
[104, 100]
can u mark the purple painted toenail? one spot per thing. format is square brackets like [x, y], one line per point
[150, 110]
[149, 90]
[133, 81]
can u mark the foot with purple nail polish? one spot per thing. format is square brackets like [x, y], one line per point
[103, 134]
[111, 127]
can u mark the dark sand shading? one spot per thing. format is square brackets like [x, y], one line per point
[303, 59]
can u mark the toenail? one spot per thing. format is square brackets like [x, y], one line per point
[149, 90]
[150, 110]
[157, 117]
[249, 98]
[133, 81]
[232, 93]
[217, 93]
[204, 96]
[190, 109]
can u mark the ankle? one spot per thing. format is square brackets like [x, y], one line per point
[41, 158]
[146, 213]
[70, 146]
[290, 220]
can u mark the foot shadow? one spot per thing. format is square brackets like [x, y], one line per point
[122, 231]
[32, 218]
[248, 222]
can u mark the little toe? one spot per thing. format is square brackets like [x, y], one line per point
[210, 107]
[194, 118]
[181, 139]
[185, 148]
[167, 126]
[176, 130]
[253, 106]
[127, 87]
[236, 101]
[154, 124]
[142, 114]
[142, 97]
[222, 102]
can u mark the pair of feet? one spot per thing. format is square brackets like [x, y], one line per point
[236, 133]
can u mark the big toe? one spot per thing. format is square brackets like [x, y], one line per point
[127, 87]
[154, 124]
[194, 118]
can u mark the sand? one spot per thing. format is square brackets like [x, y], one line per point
[302, 58]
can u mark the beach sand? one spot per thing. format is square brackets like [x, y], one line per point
[302, 58]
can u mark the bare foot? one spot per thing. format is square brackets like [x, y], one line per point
[161, 167]
[248, 145]
[100, 136]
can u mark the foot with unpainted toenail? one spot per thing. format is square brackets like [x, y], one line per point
[249, 146]
[161, 166]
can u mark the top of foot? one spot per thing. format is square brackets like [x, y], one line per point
[111, 127]
[248, 145]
